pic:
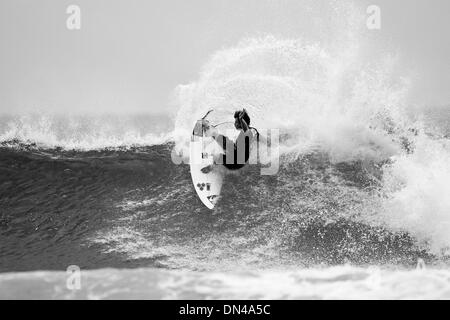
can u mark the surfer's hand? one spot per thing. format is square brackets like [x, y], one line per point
[211, 132]
[208, 129]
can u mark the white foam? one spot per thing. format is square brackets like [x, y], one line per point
[87, 132]
[344, 282]
[418, 193]
[331, 98]
[326, 97]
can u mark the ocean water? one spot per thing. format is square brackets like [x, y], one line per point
[343, 282]
[359, 207]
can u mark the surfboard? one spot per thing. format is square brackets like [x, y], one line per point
[207, 185]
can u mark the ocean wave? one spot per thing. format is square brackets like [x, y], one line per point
[416, 189]
[326, 98]
[344, 282]
[361, 180]
[84, 132]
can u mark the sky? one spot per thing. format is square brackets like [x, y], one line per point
[129, 55]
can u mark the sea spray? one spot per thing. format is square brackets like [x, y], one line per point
[315, 96]
[84, 132]
[417, 193]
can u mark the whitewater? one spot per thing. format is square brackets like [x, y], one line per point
[358, 209]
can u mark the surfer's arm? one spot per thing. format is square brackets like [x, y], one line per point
[220, 140]
[244, 124]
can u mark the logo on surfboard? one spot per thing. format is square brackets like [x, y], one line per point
[202, 186]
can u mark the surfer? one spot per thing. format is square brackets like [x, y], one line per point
[241, 155]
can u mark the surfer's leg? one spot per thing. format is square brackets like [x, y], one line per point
[230, 151]
[218, 160]
[223, 141]
[231, 164]
[207, 169]
[241, 153]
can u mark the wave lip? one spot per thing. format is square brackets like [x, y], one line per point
[84, 132]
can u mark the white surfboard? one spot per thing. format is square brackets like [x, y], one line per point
[207, 185]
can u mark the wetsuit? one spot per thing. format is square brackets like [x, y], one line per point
[242, 140]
